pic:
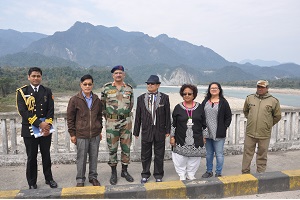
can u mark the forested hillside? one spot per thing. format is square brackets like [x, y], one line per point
[58, 79]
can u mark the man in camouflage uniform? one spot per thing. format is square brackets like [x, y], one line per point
[117, 98]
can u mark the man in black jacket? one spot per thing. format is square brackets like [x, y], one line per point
[153, 114]
[36, 106]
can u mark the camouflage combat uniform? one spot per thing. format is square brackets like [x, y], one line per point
[117, 109]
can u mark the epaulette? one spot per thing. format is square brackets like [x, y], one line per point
[250, 95]
[275, 98]
[23, 96]
[21, 87]
[129, 85]
[109, 83]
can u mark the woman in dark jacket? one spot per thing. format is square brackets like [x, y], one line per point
[218, 119]
[186, 136]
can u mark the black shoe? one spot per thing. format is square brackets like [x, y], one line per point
[80, 185]
[144, 180]
[218, 175]
[207, 174]
[113, 179]
[52, 184]
[127, 176]
[95, 182]
[33, 186]
[158, 180]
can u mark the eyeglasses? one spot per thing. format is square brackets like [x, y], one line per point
[151, 83]
[187, 94]
[87, 84]
[260, 87]
[214, 88]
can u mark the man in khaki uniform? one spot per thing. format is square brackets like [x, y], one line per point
[262, 111]
[117, 98]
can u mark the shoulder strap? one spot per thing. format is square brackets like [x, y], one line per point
[30, 101]
[109, 83]
[21, 92]
[129, 85]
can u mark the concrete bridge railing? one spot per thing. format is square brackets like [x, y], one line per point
[285, 136]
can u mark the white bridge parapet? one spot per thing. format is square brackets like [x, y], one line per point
[285, 136]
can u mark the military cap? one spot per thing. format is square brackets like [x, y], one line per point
[262, 83]
[118, 67]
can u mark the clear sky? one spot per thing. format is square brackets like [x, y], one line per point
[235, 29]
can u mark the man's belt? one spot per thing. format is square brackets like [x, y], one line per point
[116, 116]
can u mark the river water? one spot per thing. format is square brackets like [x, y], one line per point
[284, 99]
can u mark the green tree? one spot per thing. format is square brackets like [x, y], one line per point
[6, 84]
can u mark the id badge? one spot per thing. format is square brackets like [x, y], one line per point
[190, 122]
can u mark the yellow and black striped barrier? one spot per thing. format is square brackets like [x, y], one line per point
[226, 186]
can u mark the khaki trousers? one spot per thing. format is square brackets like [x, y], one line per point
[261, 155]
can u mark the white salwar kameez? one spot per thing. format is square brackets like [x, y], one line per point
[186, 167]
[185, 155]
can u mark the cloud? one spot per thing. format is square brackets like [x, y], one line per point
[235, 29]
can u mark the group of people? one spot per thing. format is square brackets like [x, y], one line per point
[191, 126]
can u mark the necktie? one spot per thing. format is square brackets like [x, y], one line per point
[35, 92]
[152, 106]
[150, 99]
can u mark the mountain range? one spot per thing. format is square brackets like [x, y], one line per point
[259, 62]
[175, 61]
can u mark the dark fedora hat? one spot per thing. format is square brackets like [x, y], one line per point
[153, 79]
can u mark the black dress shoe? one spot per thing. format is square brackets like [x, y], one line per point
[127, 176]
[95, 182]
[80, 185]
[33, 186]
[52, 184]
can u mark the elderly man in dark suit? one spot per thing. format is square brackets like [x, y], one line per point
[153, 114]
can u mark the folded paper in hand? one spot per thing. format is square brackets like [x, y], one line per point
[37, 131]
